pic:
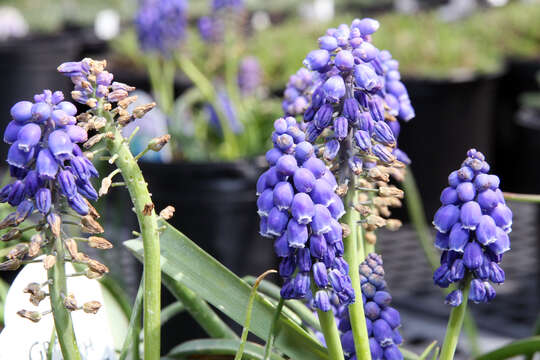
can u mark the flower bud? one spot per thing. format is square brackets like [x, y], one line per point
[70, 302]
[49, 262]
[33, 316]
[156, 144]
[91, 307]
[167, 213]
[90, 225]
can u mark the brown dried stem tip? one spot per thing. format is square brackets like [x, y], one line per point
[157, 143]
[91, 307]
[30, 315]
[167, 213]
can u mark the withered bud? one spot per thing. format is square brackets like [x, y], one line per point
[91, 103]
[375, 221]
[37, 297]
[18, 251]
[394, 202]
[117, 95]
[105, 185]
[71, 246]
[11, 235]
[376, 174]
[82, 257]
[35, 245]
[342, 190]
[127, 101]
[124, 120]
[364, 183]
[84, 117]
[384, 211]
[109, 135]
[363, 210]
[92, 275]
[107, 107]
[391, 191]
[380, 201]
[398, 164]
[97, 267]
[55, 223]
[70, 302]
[157, 143]
[346, 229]
[92, 210]
[148, 208]
[167, 213]
[32, 288]
[91, 307]
[93, 141]
[393, 224]
[363, 197]
[370, 237]
[97, 242]
[49, 262]
[33, 316]
[90, 225]
[140, 111]
[98, 122]
[11, 264]
[10, 220]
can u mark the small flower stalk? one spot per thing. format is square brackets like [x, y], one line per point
[52, 185]
[472, 225]
[108, 103]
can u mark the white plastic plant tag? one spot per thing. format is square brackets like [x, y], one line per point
[23, 339]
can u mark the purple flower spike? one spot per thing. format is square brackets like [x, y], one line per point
[66, 180]
[297, 234]
[321, 220]
[334, 89]
[11, 132]
[458, 238]
[503, 217]
[304, 180]
[76, 134]
[41, 111]
[486, 231]
[344, 60]
[283, 195]
[383, 134]
[17, 157]
[366, 78]
[477, 293]
[277, 222]
[78, 204]
[472, 256]
[302, 208]
[363, 140]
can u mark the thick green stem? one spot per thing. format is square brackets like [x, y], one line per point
[454, 326]
[331, 334]
[147, 218]
[62, 317]
[353, 255]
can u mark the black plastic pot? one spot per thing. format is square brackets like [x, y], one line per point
[519, 78]
[28, 66]
[216, 208]
[451, 117]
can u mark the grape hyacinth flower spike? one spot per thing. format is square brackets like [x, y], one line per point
[383, 321]
[300, 211]
[51, 179]
[472, 225]
[109, 111]
[161, 25]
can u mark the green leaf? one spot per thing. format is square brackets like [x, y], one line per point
[519, 347]
[408, 355]
[218, 347]
[186, 263]
[428, 350]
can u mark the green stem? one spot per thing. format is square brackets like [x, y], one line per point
[536, 331]
[245, 330]
[170, 311]
[531, 198]
[140, 197]
[132, 336]
[62, 317]
[454, 325]
[200, 310]
[353, 255]
[331, 334]
[273, 330]
[50, 348]
[528, 347]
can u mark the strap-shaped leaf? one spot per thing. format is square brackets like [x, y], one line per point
[519, 347]
[183, 261]
[218, 347]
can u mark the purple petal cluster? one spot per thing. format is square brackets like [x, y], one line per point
[472, 225]
[249, 75]
[212, 27]
[299, 208]
[382, 320]
[299, 90]
[229, 112]
[44, 158]
[227, 5]
[161, 25]
[360, 90]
